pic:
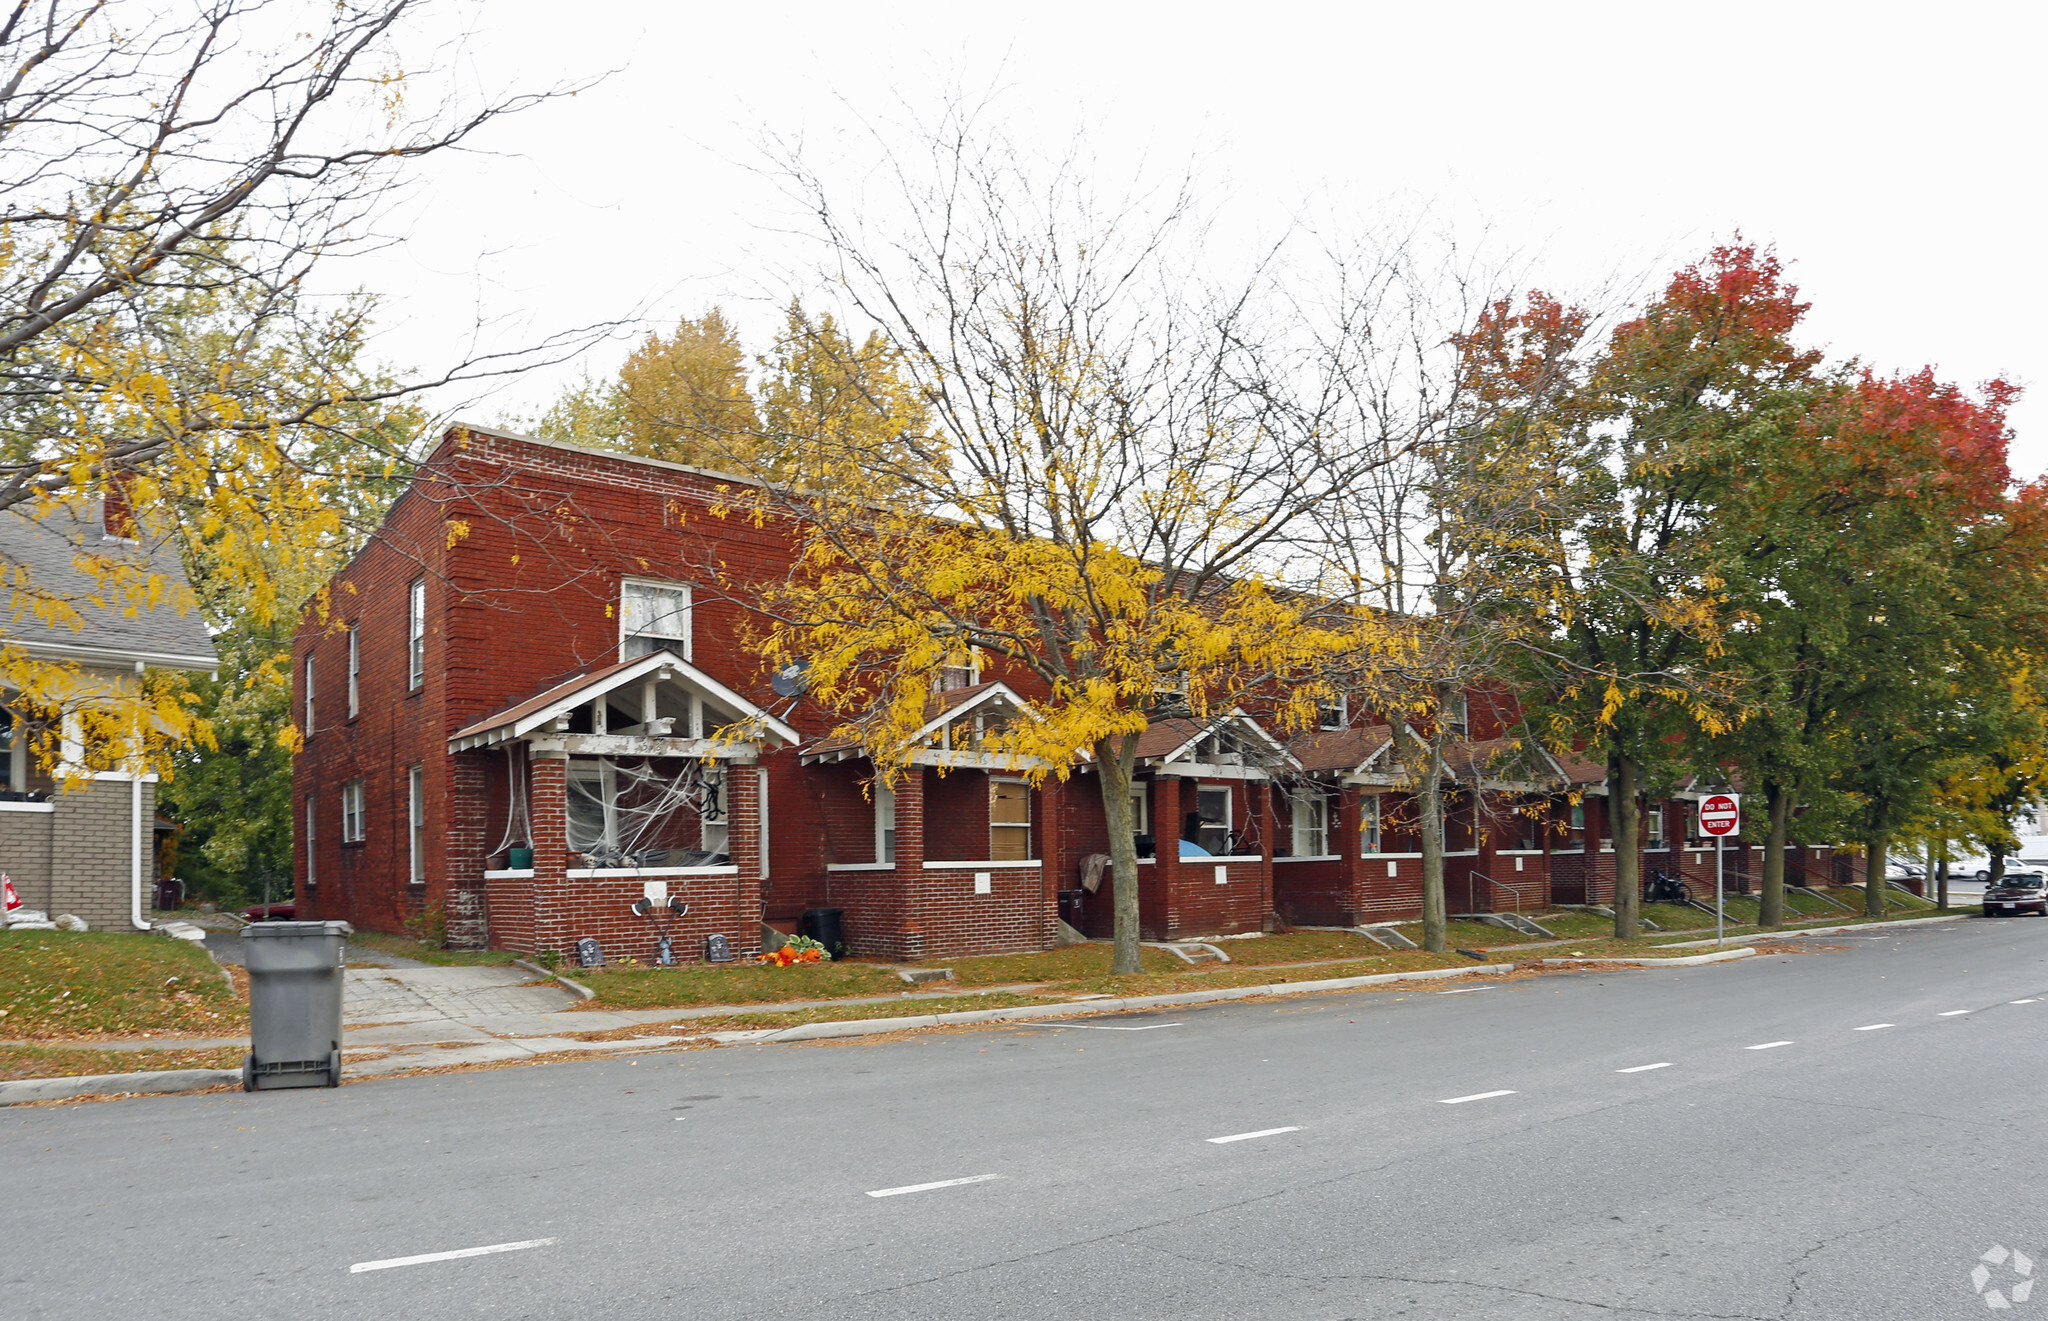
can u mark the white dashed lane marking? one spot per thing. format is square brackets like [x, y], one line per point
[927, 1187]
[425, 1257]
[1951, 1013]
[1261, 1133]
[1476, 1096]
[1872, 1027]
[1768, 1045]
[1645, 1068]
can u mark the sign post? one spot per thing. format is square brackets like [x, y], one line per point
[1720, 816]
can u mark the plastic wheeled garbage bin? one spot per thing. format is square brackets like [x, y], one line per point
[822, 925]
[295, 978]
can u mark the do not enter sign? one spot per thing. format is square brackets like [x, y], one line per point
[1720, 814]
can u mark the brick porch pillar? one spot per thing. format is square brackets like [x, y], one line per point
[744, 845]
[1347, 841]
[1268, 823]
[466, 834]
[905, 904]
[1159, 894]
[1057, 867]
[547, 926]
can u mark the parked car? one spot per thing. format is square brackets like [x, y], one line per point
[284, 912]
[2019, 892]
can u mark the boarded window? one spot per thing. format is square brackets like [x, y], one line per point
[1009, 821]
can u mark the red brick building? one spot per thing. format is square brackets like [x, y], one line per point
[526, 707]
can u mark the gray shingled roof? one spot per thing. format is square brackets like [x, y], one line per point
[49, 547]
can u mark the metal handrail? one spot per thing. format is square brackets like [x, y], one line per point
[1513, 890]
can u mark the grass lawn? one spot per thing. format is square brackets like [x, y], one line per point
[71, 1061]
[1299, 947]
[82, 984]
[406, 947]
[1067, 963]
[671, 988]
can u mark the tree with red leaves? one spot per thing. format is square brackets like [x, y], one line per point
[1634, 664]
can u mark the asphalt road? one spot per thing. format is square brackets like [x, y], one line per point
[1634, 1151]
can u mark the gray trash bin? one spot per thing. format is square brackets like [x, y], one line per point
[295, 978]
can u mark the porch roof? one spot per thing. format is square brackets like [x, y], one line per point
[940, 711]
[544, 708]
[1173, 745]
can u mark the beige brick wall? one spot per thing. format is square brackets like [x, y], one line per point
[85, 863]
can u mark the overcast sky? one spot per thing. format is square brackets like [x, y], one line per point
[1892, 153]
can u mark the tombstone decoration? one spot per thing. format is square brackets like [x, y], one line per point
[717, 949]
[588, 953]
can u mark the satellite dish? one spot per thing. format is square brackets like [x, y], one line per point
[791, 679]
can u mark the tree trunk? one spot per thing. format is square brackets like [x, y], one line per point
[1429, 802]
[1628, 860]
[1114, 772]
[1879, 844]
[1940, 872]
[1778, 803]
[1997, 865]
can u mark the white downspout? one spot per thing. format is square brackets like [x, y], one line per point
[135, 854]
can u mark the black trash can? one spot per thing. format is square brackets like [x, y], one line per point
[823, 926]
[295, 988]
[170, 895]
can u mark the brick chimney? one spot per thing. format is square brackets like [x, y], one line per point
[117, 512]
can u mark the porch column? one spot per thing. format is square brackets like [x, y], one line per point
[909, 898]
[1483, 833]
[1268, 823]
[1156, 895]
[1056, 866]
[743, 844]
[1347, 841]
[546, 925]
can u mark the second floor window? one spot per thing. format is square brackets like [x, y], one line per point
[309, 697]
[352, 812]
[355, 668]
[653, 617]
[1335, 714]
[416, 634]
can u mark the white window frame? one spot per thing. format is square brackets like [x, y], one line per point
[355, 669]
[1141, 809]
[1459, 717]
[885, 823]
[1229, 812]
[309, 696]
[1654, 836]
[994, 825]
[1310, 837]
[353, 827]
[416, 824]
[1369, 823]
[688, 615]
[607, 795]
[716, 836]
[312, 836]
[971, 672]
[416, 634]
[761, 817]
[1334, 715]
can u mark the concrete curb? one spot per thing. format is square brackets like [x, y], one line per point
[1823, 931]
[870, 1026]
[577, 987]
[1718, 956]
[112, 1084]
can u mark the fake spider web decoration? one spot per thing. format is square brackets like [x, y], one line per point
[653, 812]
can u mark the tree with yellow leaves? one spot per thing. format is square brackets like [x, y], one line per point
[172, 178]
[1112, 502]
